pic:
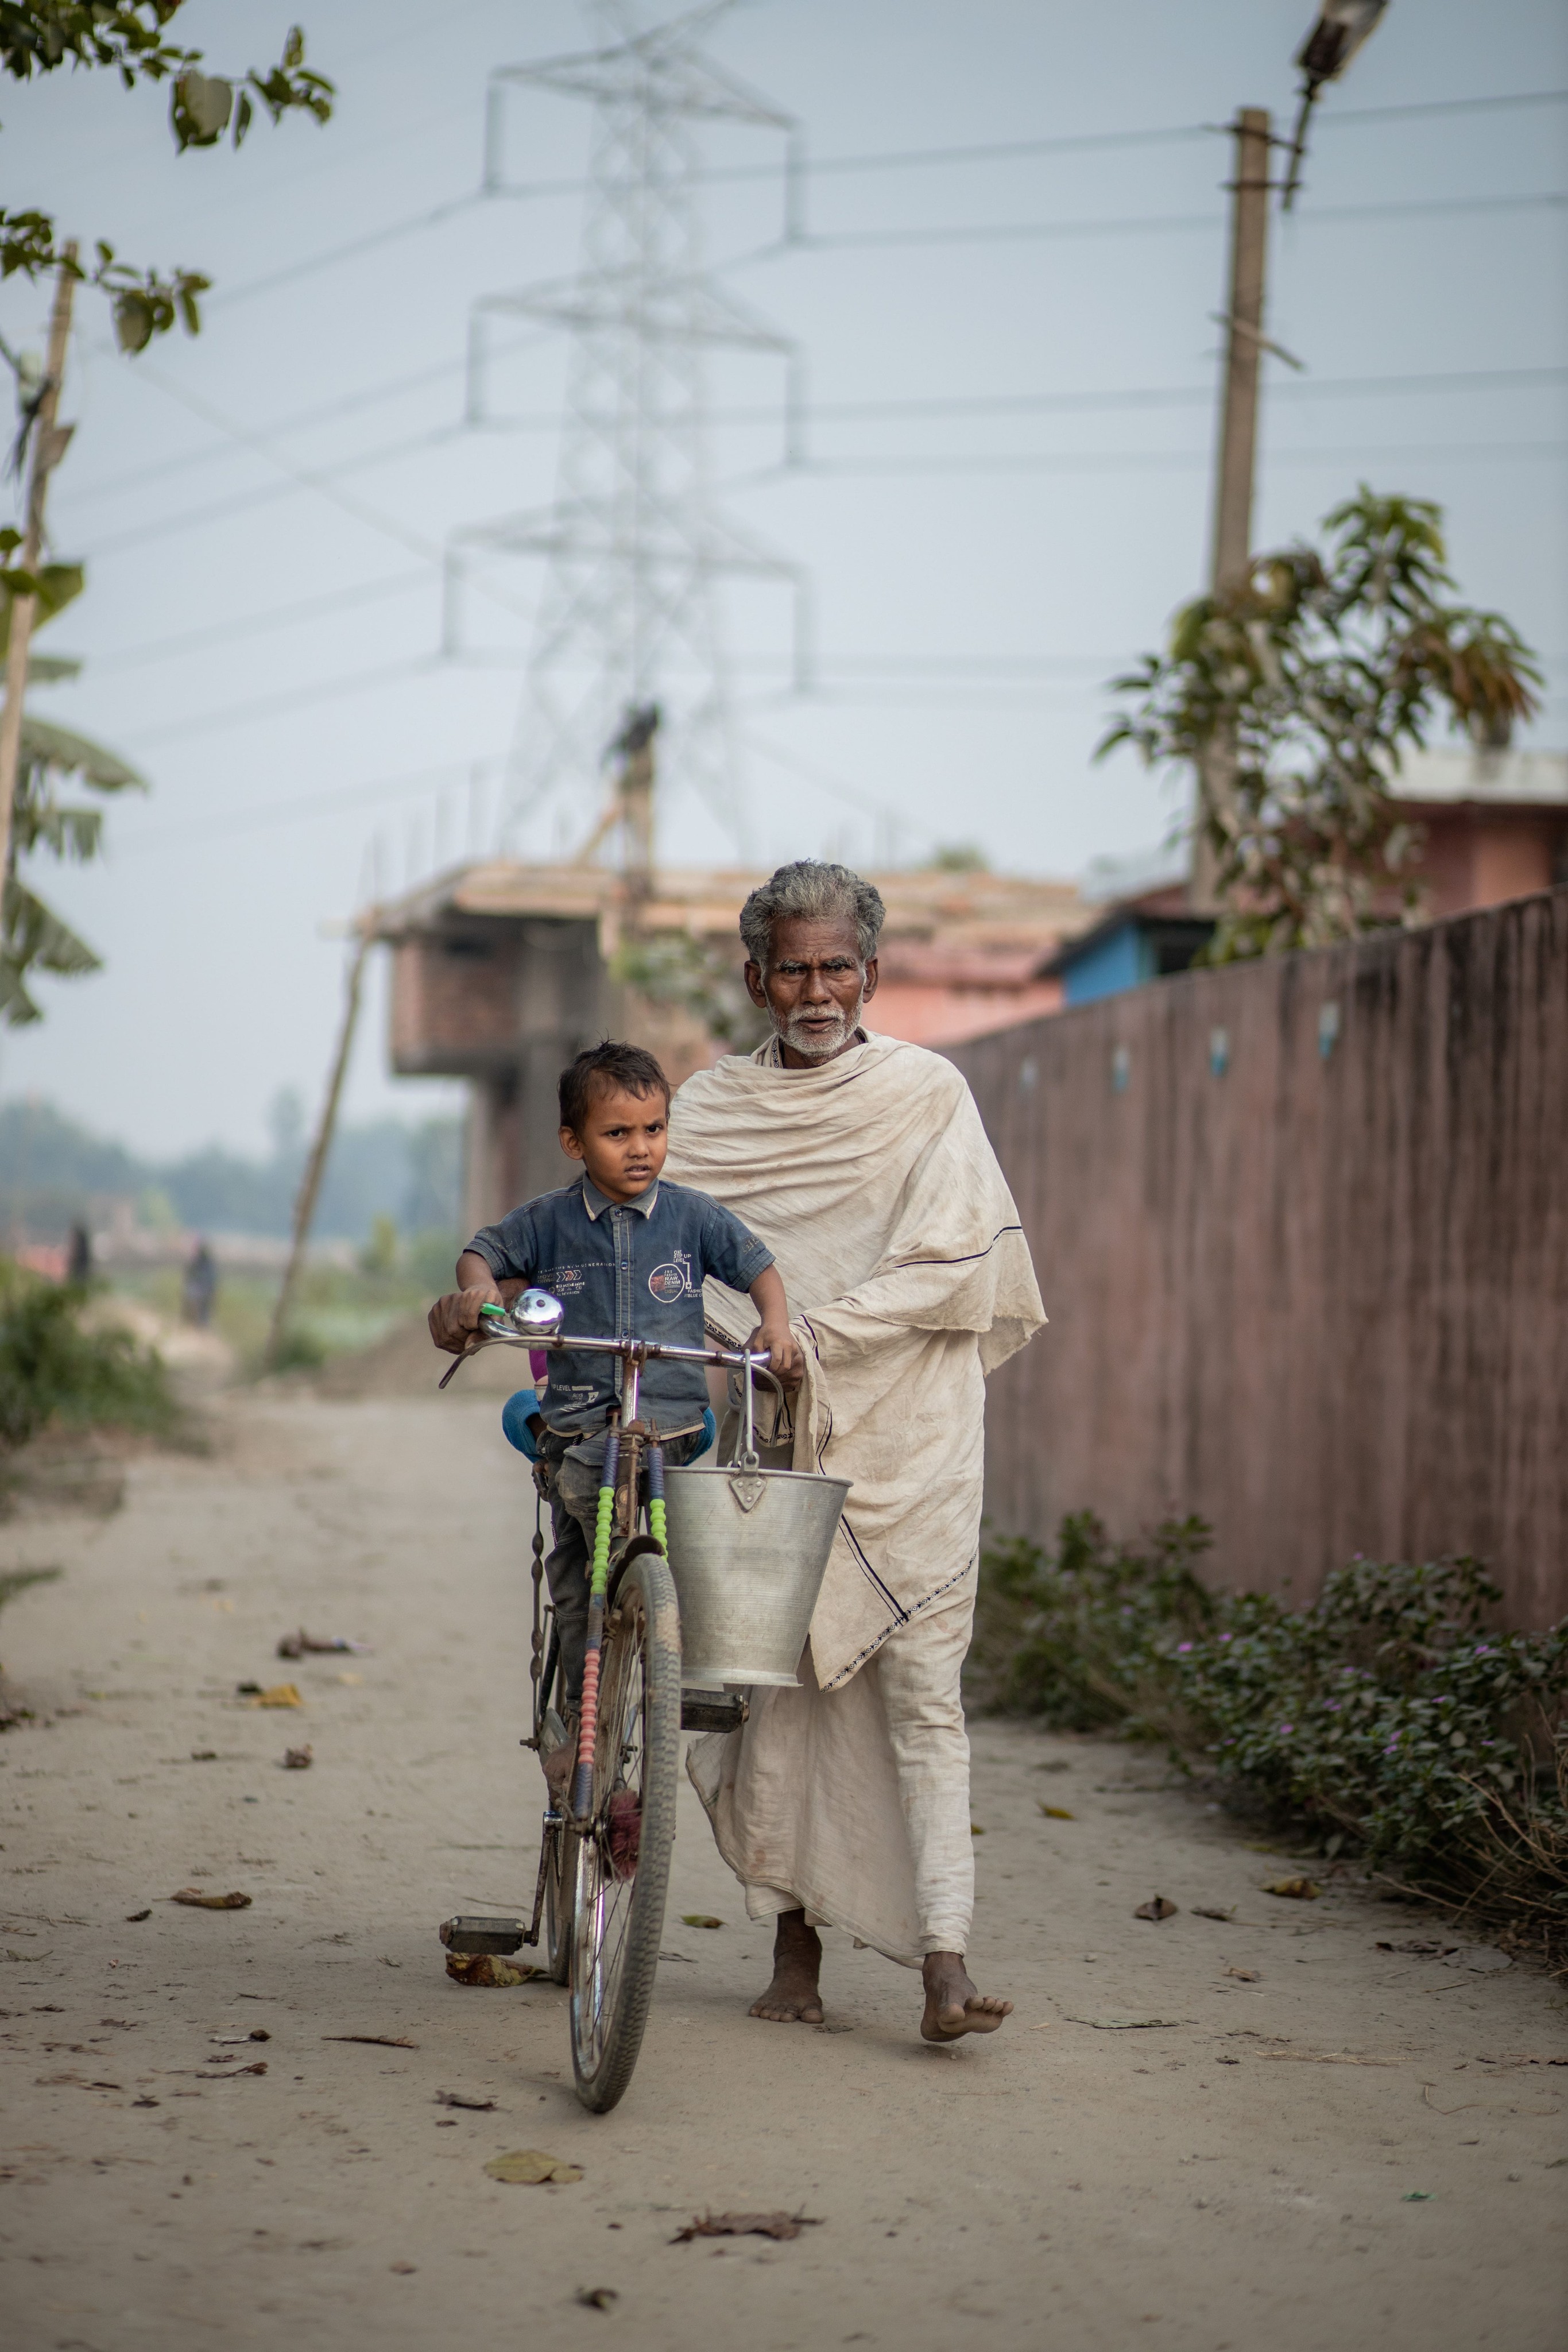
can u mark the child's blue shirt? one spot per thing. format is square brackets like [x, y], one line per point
[624, 1270]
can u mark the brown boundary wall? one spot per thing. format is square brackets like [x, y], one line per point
[1321, 1300]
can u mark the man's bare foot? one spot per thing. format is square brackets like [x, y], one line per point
[953, 2007]
[792, 1999]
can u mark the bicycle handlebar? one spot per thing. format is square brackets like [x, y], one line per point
[654, 1350]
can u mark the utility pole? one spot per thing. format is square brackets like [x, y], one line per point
[1244, 350]
[1235, 459]
[315, 1167]
[49, 442]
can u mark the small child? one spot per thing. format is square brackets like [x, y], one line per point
[625, 1252]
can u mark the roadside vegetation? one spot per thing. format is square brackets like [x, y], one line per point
[1389, 1723]
[59, 1370]
[337, 1310]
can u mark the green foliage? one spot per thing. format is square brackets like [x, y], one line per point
[1388, 1708]
[1295, 696]
[299, 1349]
[1084, 1635]
[958, 857]
[33, 938]
[17, 1580]
[379, 1255]
[700, 977]
[126, 37]
[55, 1369]
[1389, 1713]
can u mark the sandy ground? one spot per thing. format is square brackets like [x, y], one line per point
[1224, 2178]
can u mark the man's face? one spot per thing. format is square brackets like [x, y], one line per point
[623, 1142]
[813, 987]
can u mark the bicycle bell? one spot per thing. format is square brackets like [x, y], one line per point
[538, 1313]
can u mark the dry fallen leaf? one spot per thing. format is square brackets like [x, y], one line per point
[1055, 1812]
[380, 2040]
[487, 1968]
[1156, 1908]
[1248, 1976]
[298, 1759]
[598, 2298]
[279, 1695]
[200, 1901]
[1298, 1890]
[531, 2166]
[1213, 1911]
[745, 2225]
[700, 1919]
[457, 2099]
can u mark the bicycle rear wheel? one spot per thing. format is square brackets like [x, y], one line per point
[622, 1859]
[560, 1878]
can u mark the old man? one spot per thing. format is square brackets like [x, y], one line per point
[862, 1163]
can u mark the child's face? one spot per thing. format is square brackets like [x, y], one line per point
[623, 1142]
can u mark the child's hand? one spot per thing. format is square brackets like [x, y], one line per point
[784, 1358]
[454, 1319]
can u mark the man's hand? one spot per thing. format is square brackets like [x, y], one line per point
[454, 1320]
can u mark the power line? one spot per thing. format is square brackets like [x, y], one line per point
[835, 166]
[1194, 395]
[256, 624]
[317, 478]
[300, 698]
[1100, 461]
[845, 412]
[262, 817]
[1140, 225]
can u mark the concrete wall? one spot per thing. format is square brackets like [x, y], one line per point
[1320, 1298]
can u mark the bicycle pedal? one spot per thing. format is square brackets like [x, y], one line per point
[712, 1711]
[471, 1935]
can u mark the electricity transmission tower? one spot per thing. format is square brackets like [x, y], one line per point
[635, 544]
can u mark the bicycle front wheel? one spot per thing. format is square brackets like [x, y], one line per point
[622, 1858]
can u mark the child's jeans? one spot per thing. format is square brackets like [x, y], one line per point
[570, 1487]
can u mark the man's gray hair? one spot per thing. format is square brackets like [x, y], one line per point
[812, 892]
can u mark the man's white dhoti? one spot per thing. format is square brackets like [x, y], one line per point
[872, 1180]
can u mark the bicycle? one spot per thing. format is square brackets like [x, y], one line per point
[604, 1854]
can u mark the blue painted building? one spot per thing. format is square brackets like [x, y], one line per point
[1137, 940]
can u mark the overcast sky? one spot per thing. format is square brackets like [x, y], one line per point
[261, 510]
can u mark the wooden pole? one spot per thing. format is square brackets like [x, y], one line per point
[48, 441]
[315, 1167]
[1236, 460]
[1244, 325]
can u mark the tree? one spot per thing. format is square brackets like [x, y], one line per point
[1295, 696]
[31, 935]
[127, 37]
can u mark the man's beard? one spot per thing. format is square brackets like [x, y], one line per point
[816, 1044]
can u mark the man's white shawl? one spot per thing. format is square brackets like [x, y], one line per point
[871, 1181]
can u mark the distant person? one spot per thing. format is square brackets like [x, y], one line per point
[199, 1286]
[78, 1256]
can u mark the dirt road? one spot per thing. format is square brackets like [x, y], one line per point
[1334, 2145]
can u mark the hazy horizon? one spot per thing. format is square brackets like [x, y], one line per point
[266, 647]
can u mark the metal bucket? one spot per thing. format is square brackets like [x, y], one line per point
[748, 1550]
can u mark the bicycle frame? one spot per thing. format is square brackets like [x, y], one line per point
[627, 1435]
